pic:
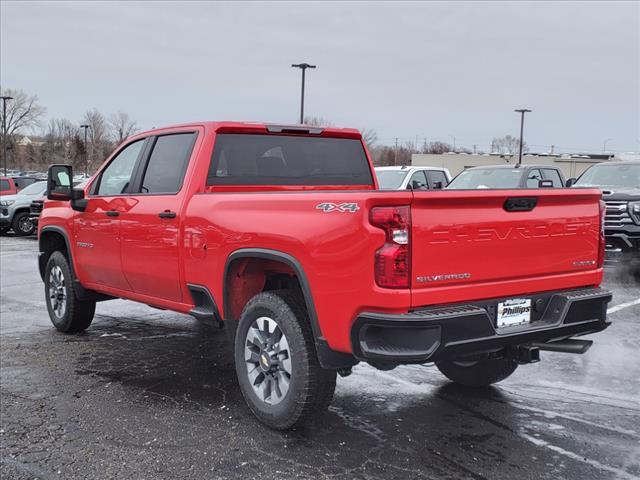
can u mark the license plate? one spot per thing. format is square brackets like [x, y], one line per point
[515, 311]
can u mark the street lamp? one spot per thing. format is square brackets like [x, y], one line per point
[5, 99]
[604, 144]
[86, 148]
[522, 111]
[303, 67]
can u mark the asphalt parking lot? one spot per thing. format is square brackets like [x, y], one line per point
[152, 394]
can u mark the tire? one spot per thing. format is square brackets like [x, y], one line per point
[478, 373]
[22, 224]
[290, 385]
[67, 313]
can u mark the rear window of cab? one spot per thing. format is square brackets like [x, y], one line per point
[257, 159]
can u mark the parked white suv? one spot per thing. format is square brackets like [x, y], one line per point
[14, 209]
[413, 178]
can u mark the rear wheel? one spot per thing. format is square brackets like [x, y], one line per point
[478, 373]
[67, 313]
[22, 224]
[276, 362]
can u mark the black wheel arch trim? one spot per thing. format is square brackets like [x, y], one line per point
[42, 262]
[327, 357]
[81, 292]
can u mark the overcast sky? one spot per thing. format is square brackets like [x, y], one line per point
[434, 70]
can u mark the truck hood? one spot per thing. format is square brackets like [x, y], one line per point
[20, 199]
[621, 193]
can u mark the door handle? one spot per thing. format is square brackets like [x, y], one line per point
[112, 213]
[167, 214]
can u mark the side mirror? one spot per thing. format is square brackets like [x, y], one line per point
[545, 183]
[59, 182]
[571, 181]
[437, 185]
[78, 202]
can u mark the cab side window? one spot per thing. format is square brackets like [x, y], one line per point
[534, 177]
[167, 163]
[435, 177]
[115, 179]
[418, 181]
[554, 176]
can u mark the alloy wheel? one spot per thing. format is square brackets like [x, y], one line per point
[57, 292]
[268, 360]
[25, 225]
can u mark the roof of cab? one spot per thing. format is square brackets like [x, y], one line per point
[261, 127]
[410, 167]
[513, 165]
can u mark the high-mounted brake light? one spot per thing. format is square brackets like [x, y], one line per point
[601, 239]
[393, 260]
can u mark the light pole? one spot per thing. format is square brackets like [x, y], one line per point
[5, 99]
[522, 111]
[86, 148]
[303, 67]
[604, 145]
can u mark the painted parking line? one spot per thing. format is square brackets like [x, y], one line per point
[622, 306]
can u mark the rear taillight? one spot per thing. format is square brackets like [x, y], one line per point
[601, 238]
[393, 259]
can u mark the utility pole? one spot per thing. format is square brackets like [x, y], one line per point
[522, 111]
[474, 148]
[303, 67]
[5, 99]
[86, 148]
[604, 145]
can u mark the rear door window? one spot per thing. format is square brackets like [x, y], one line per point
[4, 185]
[418, 181]
[554, 176]
[167, 163]
[257, 159]
[435, 176]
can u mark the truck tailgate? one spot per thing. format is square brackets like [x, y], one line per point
[468, 244]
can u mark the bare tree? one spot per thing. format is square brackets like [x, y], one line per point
[99, 144]
[508, 145]
[369, 136]
[436, 147]
[23, 111]
[121, 126]
[317, 121]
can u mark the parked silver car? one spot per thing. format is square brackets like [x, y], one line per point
[14, 209]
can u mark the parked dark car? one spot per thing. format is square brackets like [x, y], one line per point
[620, 185]
[508, 176]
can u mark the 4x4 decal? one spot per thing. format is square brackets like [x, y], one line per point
[341, 207]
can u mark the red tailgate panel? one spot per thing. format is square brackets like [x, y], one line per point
[466, 246]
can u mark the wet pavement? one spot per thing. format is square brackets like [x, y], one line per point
[152, 394]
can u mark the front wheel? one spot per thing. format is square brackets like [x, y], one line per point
[22, 224]
[67, 313]
[478, 373]
[276, 362]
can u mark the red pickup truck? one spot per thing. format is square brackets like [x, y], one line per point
[8, 186]
[280, 234]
